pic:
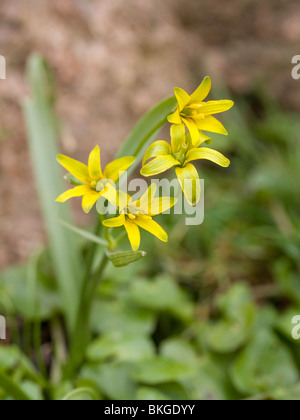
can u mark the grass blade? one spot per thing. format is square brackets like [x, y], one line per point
[12, 389]
[42, 136]
[84, 234]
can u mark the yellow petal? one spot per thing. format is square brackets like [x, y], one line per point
[95, 165]
[89, 200]
[115, 222]
[177, 136]
[158, 148]
[182, 97]
[74, 192]
[133, 233]
[203, 139]
[215, 107]
[211, 124]
[76, 168]
[116, 198]
[143, 203]
[160, 205]
[193, 129]
[189, 180]
[159, 165]
[202, 92]
[208, 154]
[113, 169]
[175, 117]
[151, 226]
[110, 194]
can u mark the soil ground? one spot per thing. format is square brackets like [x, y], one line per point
[114, 59]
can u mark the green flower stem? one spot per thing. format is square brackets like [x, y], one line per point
[81, 334]
[120, 238]
[92, 253]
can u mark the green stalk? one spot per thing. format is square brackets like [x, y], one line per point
[144, 132]
[82, 333]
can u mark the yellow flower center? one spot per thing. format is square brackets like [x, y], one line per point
[94, 184]
[131, 216]
[181, 155]
[193, 112]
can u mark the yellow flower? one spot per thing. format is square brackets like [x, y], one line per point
[196, 114]
[139, 214]
[179, 154]
[90, 175]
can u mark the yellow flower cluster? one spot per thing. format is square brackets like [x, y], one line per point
[191, 113]
[195, 115]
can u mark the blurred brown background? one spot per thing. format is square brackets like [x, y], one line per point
[113, 60]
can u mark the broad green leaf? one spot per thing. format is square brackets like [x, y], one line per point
[146, 131]
[117, 316]
[174, 391]
[14, 289]
[11, 358]
[286, 278]
[236, 301]
[81, 394]
[285, 326]
[113, 379]
[163, 294]
[236, 324]
[150, 394]
[267, 317]
[42, 131]
[226, 336]
[161, 370]
[128, 347]
[264, 365]
[286, 394]
[33, 390]
[179, 349]
[209, 382]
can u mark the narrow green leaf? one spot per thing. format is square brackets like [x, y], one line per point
[42, 136]
[12, 389]
[72, 180]
[84, 234]
[122, 259]
[81, 394]
[147, 130]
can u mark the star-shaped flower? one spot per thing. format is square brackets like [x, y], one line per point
[139, 214]
[90, 176]
[196, 114]
[162, 156]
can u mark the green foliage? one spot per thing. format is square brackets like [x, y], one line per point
[42, 136]
[208, 317]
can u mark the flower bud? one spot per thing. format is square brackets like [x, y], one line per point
[122, 259]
